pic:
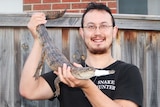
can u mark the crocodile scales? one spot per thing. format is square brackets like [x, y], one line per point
[55, 58]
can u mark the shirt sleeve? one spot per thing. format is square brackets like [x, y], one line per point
[129, 85]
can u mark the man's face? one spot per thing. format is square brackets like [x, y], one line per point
[98, 31]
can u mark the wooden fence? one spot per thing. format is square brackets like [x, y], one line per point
[137, 42]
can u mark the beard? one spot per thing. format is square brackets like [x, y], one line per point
[98, 50]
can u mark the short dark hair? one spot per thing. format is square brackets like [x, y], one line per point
[97, 6]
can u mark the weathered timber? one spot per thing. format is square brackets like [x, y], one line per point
[137, 42]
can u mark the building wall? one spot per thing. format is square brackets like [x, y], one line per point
[76, 6]
[153, 7]
[11, 6]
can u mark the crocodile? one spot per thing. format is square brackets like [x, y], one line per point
[55, 58]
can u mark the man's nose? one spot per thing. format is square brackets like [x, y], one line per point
[97, 30]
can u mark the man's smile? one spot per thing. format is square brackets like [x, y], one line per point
[98, 40]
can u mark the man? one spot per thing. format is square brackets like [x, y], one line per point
[121, 89]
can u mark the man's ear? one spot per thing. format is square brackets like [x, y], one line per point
[81, 32]
[115, 31]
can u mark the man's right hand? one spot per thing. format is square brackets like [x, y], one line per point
[35, 20]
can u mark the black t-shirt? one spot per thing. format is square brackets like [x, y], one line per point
[125, 83]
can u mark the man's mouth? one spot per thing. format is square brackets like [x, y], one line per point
[98, 40]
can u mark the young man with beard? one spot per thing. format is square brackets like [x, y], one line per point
[121, 89]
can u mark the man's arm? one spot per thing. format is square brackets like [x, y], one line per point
[30, 87]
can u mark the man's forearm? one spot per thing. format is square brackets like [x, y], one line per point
[97, 98]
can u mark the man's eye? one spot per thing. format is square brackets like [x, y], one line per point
[91, 27]
[103, 26]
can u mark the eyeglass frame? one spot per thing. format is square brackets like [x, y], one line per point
[101, 27]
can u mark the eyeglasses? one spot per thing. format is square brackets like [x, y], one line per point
[102, 27]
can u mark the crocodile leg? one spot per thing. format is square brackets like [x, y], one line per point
[40, 65]
[56, 84]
